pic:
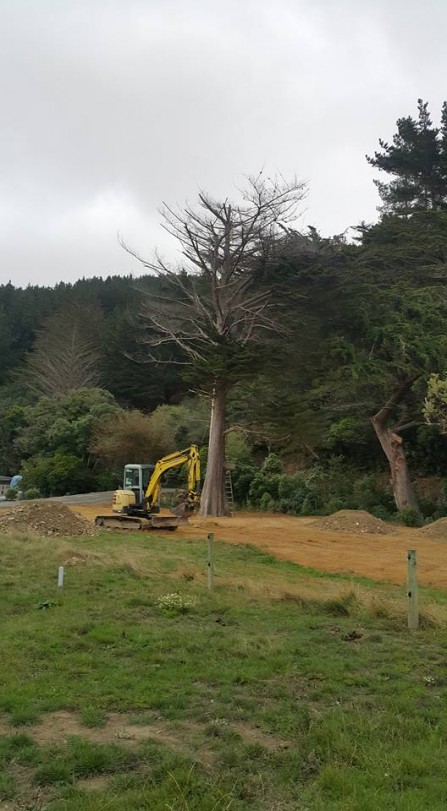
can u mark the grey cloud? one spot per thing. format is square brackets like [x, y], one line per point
[109, 108]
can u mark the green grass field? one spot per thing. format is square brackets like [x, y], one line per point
[280, 690]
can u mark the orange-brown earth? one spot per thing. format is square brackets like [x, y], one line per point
[377, 556]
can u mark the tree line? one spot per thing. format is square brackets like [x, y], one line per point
[261, 343]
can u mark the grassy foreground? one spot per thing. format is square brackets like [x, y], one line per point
[281, 690]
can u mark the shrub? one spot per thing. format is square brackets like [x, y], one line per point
[242, 478]
[11, 494]
[381, 512]
[272, 464]
[292, 491]
[267, 503]
[58, 474]
[32, 492]
[334, 505]
[369, 492]
[263, 484]
[410, 517]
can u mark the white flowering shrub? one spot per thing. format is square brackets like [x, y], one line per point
[175, 603]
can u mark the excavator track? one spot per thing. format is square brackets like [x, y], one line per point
[131, 523]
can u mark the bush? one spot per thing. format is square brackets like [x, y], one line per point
[410, 517]
[58, 474]
[320, 490]
[11, 494]
[237, 450]
[381, 512]
[242, 478]
[272, 464]
[32, 492]
[334, 505]
[292, 492]
[267, 503]
[369, 493]
[263, 484]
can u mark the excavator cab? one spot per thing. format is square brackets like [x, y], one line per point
[136, 478]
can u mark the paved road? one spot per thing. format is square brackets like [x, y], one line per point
[81, 498]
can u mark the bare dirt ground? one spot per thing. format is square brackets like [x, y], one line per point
[379, 557]
[57, 727]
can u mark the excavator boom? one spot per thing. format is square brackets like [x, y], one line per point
[190, 457]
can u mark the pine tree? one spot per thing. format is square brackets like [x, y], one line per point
[417, 161]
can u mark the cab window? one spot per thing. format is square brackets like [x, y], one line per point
[131, 479]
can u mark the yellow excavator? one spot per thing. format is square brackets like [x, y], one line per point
[136, 506]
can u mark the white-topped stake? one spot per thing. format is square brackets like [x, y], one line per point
[60, 577]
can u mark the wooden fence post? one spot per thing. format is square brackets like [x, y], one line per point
[413, 611]
[210, 559]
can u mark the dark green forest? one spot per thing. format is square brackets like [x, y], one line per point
[344, 406]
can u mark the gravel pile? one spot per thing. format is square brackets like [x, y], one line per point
[354, 522]
[437, 530]
[44, 518]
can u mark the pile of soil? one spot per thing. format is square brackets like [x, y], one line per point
[437, 530]
[353, 521]
[44, 518]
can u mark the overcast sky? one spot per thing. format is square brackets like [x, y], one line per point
[110, 107]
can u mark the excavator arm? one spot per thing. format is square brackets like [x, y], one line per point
[190, 457]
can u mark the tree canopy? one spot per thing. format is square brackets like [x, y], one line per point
[417, 162]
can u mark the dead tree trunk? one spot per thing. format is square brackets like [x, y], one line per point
[213, 501]
[392, 446]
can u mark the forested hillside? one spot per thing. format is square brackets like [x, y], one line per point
[346, 391]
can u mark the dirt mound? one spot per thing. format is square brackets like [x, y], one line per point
[353, 521]
[44, 518]
[437, 530]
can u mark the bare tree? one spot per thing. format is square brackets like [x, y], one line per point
[214, 307]
[66, 356]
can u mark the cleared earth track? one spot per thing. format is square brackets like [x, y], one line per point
[379, 557]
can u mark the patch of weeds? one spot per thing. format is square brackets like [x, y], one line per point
[54, 771]
[376, 638]
[174, 604]
[93, 717]
[22, 716]
[305, 603]
[89, 758]
[144, 719]
[130, 570]
[127, 782]
[138, 601]
[429, 618]
[8, 787]
[253, 554]
[381, 608]
[81, 758]
[19, 747]
[344, 605]
[219, 728]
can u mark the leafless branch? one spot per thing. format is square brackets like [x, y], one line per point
[215, 299]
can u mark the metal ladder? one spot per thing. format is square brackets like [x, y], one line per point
[229, 496]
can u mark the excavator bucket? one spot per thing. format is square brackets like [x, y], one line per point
[183, 512]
